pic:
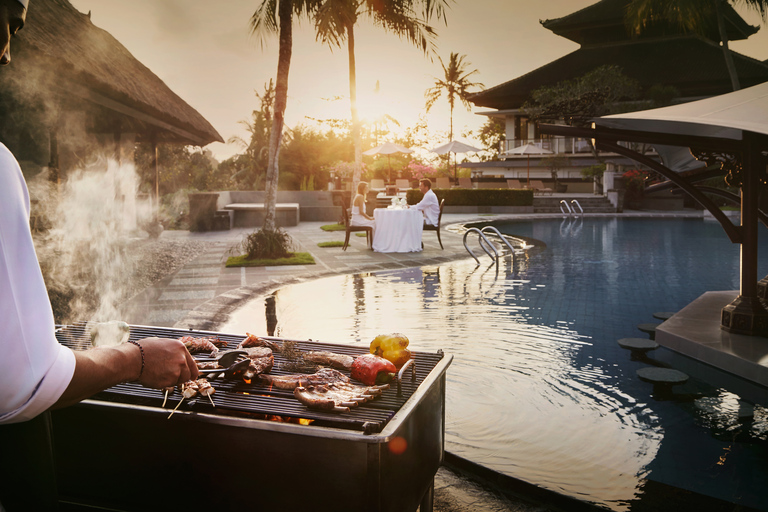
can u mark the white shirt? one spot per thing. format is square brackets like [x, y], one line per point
[35, 368]
[430, 206]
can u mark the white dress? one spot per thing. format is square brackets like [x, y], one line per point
[357, 219]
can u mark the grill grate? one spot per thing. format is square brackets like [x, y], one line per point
[256, 400]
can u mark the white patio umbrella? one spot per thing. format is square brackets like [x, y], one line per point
[529, 149]
[455, 147]
[388, 148]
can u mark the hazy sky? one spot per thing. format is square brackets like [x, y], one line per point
[206, 55]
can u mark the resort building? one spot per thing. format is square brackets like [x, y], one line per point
[689, 64]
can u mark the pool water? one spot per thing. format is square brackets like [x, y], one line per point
[539, 389]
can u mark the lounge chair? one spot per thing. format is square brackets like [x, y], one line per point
[443, 183]
[539, 188]
[488, 184]
[378, 186]
[402, 185]
[514, 184]
[465, 183]
[428, 227]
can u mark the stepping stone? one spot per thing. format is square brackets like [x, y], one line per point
[638, 346]
[662, 379]
[663, 315]
[649, 329]
[746, 411]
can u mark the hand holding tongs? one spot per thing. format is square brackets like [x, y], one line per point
[228, 361]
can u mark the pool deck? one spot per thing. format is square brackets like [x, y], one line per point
[202, 292]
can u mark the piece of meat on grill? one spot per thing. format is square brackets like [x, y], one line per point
[338, 361]
[207, 365]
[260, 360]
[338, 397]
[197, 345]
[254, 341]
[322, 376]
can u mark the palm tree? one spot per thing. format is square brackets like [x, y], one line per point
[455, 83]
[277, 16]
[691, 15]
[335, 22]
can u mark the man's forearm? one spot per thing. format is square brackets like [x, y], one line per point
[100, 368]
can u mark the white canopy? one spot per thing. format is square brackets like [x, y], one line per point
[723, 116]
[455, 147]
[388, 148]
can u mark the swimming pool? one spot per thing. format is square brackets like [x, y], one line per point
[539, 389]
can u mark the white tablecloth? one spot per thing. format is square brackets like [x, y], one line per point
[397, 230]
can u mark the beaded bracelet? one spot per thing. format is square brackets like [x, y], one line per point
[141, 349]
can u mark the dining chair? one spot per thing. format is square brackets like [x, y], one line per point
[350, 228]
[429, 227]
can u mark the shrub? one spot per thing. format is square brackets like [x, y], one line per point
[266, 244]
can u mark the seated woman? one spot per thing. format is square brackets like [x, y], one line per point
[359, 216]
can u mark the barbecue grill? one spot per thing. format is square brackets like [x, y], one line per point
[258, 449]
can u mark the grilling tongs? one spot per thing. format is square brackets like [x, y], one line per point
[230, 361]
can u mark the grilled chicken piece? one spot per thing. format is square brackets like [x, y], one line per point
[338, 361]
[338, 397]
[254, 341]
[197, 345]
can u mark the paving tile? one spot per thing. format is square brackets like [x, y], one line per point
[187, 295]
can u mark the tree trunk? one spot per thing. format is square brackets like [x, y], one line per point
[356, 137]
[726, 51]
[285, 12]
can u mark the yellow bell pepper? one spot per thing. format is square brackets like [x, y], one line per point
[392, 347]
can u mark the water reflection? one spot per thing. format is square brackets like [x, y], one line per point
[515, 400]
[539, 389]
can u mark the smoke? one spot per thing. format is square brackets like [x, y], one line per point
[84, 252]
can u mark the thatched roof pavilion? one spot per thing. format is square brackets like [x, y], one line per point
[72, 88]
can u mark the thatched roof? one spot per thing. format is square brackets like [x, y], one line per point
[694, 66]
[91, 64]
[604, 21]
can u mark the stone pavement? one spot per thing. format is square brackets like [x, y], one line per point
[204, 291]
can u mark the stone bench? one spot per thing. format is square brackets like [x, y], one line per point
[247, 215]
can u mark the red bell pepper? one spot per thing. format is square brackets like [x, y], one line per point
[370, 369]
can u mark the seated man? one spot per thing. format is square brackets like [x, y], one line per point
[429, 205]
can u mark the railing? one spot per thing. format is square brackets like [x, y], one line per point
[564, 146]
[483, 241]
[567, 210]
[557, 145]
[581, 210]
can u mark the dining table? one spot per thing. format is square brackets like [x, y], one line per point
[397, 230]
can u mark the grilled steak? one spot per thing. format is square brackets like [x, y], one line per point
[322, 376]
[339, 361]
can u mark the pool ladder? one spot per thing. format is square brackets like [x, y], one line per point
[568, 210]
[483, 241]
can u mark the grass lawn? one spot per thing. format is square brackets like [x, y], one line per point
[335, 243]
[333, 227]
[296, 258]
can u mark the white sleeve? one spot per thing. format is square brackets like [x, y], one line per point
[35, 368]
